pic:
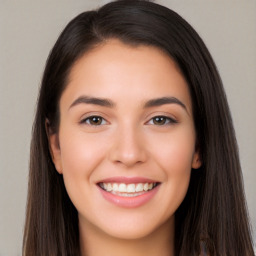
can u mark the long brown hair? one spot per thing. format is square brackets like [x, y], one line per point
[214, 211]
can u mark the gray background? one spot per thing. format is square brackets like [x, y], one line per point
[28, 30]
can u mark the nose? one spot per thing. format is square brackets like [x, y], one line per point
[128, 147]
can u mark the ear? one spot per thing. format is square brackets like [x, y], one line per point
[54, 146]
[196, 161]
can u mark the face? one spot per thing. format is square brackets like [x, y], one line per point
[126, 141]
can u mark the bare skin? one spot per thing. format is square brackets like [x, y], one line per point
[157, 243]
[126, 114]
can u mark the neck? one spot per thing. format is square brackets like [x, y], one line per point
[95, 242]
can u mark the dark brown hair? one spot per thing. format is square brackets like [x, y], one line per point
[214, 211]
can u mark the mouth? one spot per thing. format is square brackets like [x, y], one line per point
[128, 190]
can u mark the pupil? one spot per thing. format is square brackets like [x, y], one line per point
[159, 120]
[96, 120]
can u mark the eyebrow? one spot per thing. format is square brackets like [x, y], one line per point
[110, 104]
[163, 101]
[92, 100]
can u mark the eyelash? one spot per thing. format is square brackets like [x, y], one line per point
[164, 120]
[90, 118]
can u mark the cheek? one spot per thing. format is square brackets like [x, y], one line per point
[174, 155]
[175, 151]
[80, 156]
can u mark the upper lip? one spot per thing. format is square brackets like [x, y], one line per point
[127, 180]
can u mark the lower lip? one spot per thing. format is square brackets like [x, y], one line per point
[129, 202]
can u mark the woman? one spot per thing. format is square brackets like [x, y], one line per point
[133, 148]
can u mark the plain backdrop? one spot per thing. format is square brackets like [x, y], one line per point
[28, 30]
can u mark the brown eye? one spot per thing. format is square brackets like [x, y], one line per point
[94, 120]
[159, 120]
[162, 120]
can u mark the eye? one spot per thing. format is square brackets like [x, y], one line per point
[94, 120]
[162, 120]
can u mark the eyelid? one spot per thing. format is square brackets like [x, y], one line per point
[171, 120]
[91, 115]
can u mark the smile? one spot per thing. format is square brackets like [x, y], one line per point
[127, 190]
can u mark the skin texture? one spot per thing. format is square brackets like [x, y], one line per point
[126, 142]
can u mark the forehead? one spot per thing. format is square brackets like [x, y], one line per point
[108, 52]
[115, 70]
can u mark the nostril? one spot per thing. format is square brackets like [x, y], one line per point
[128, 159]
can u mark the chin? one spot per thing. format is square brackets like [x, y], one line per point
[137, 227]
[130, 233]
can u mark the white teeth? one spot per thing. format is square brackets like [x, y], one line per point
[130, 188]
[115, 187]
[109, 187]
[128, 194]
[122, 188]
[139, 187]
[127, 188]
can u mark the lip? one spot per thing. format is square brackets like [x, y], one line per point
[127, 180]
[129, 202]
